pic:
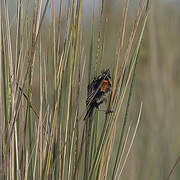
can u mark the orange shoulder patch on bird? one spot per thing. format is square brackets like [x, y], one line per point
[105, 85]
[97, 91]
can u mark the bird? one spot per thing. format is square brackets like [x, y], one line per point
[97, 90]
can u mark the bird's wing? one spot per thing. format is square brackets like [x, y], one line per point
[90, 93]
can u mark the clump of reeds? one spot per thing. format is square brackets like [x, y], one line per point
[45, 139]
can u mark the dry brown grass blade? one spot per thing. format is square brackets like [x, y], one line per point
[59, 29]
[101, 166]
[128, 51]
[26, 166]
[12, 90]
[119, 53]
[54, 51]
[173, 168]
[108, 153]
[1, 116]
[30, 59]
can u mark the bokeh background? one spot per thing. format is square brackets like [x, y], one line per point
[157, 85]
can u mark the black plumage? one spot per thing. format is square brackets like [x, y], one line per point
[97, 90]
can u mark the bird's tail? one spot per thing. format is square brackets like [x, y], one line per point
[89, 112]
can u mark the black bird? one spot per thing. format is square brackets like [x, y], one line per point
[97, 90]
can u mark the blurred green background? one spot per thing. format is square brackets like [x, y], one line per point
[157, 85]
